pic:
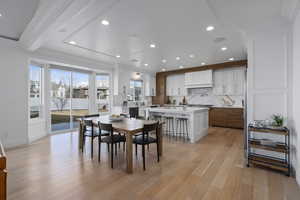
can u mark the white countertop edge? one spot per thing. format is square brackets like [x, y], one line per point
[188, 110]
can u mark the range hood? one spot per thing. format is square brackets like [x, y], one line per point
[199, 79]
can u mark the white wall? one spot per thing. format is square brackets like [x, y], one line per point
[13, 87]
[296, 89]
[269, 74]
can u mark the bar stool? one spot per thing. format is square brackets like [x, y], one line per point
[182, 123]
[169, 120]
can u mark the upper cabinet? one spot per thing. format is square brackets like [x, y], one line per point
[175, 85]
[229, 81]
[199, 79]
[150, 85]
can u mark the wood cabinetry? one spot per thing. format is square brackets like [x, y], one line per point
[161, 83]
[226, 117]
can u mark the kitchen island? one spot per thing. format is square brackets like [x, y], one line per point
[197, 119]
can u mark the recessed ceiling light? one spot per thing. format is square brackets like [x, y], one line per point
[118, 56]
[1, 15]
[203, 63]
[72, 42]
[231, 59]
[224, 48]
[177, 58]
[210, 28]
[163, 69]
[105, 22]
[180, 66]
[146, 64]
[152, 45]
[192, 56]
[164, 60]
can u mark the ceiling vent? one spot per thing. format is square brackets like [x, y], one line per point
[134, 60]
[219, 39]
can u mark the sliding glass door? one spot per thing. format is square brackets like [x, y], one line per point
[103, 93]
[69, 98]
[60, 108]
[80, 96]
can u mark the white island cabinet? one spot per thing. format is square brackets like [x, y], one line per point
[197, 119]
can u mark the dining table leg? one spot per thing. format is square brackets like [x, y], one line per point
[160, 139]
[129, 167]
[80, 136]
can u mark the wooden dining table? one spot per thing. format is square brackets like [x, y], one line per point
[128, 126]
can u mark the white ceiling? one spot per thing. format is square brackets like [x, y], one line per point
[16, 14]
[177, 28]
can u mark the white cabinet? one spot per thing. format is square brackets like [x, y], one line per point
[175, 85]
[150, 85]
[198, 79]
[229, 81]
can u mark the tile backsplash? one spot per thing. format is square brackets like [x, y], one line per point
[206, 96]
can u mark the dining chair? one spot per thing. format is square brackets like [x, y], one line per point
[89, 131]
[133, 112]
[111, 139]
[145, 139]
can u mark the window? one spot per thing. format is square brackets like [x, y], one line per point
[35, 93]
[69, 98]
[136, 88]
[102, 86]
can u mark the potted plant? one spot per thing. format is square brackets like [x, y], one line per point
[277, 120]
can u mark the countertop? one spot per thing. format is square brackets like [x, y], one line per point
[203, 106]
[227, 107]
[187, 110]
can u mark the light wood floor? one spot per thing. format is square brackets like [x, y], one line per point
[52, 168]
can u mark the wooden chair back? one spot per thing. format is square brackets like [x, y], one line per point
[148, 128]
[105, 127]
[134, 112]
[88, 122]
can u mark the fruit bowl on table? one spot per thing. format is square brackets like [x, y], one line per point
[115, 118]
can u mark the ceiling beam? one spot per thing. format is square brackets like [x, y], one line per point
[49, 16]
[239, 63]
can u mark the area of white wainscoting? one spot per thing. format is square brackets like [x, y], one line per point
[269, 74]
[296, 91]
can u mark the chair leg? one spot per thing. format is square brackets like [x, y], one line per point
[124, 144]
[157, 149]
[92, 147]
[116, 148]
[187, 130]
[99, 148]
[177, 133]
[112, 156]
[83, 144]
[143, 152]
[136, 149]
[107, 147]
[172, 120]
[148, 146]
